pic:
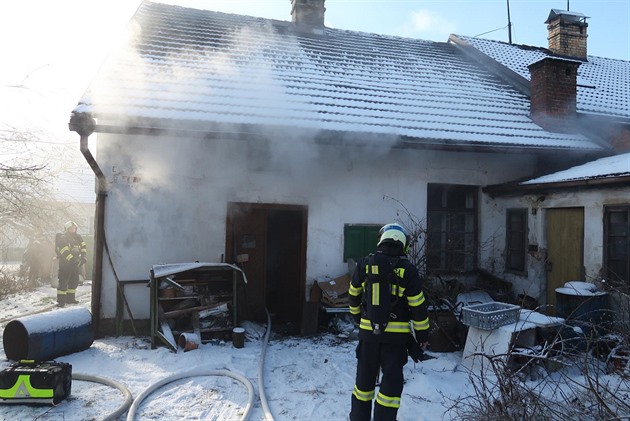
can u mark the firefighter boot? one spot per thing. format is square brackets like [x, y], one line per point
[70, 298]
[61, 300]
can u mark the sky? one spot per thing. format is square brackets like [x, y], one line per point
[303, 378]
[51, 50]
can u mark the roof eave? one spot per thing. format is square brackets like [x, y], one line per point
[515, 189]
[332, 137]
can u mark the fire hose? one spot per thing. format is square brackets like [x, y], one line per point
[75, 338]
[261, 365]
[108, 382]
[203, 371]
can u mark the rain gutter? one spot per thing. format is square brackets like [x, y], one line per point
[246, 132]
[85, 125]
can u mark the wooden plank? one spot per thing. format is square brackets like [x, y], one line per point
[184, 311]
[198, 309]
[215, 310]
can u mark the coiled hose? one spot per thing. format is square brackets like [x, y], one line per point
[201, 371]
[108, 382]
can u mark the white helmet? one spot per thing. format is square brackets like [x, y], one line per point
[392, 233]
[69, 224]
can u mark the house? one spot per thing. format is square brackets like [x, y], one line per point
[566, 226]
[282, 146]
[572, 224]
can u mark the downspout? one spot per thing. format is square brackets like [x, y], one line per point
[84, 125]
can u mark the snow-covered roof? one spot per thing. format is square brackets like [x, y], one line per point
[204, 67]
[603, 83]
[609, 167]
[160, 271]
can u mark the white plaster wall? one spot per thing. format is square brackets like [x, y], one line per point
[534, 283]
[167, 197]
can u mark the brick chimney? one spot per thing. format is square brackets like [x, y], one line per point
[567, 33]
[553, 92]
[308, 15]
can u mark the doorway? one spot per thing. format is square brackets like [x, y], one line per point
[269, 243]
[565, 249]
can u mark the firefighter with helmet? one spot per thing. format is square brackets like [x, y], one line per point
[71, 253]
[387, 301]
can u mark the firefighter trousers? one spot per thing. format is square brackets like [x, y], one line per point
[390, 359]
[68, 282]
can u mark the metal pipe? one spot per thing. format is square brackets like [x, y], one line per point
[84, 124]
[97, 269]
[43, 337]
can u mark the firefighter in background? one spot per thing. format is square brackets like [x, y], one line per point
[37, 260]
[386, 345]
[71, 253]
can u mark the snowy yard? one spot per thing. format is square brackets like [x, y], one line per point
[304, 378]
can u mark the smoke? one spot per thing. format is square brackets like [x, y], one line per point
[232, 129]
[185, 89]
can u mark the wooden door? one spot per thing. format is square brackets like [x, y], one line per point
[269, 243]
[247, 246]
[565, 248]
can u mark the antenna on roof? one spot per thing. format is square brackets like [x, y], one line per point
[510, 22]
[568, 6]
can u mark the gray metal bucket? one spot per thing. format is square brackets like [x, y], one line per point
[45, 336]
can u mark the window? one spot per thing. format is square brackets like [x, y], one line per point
[516, 240]
[451, 228]
[617, 244]
[359, 241]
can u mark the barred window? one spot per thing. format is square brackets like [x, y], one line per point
[451, 228]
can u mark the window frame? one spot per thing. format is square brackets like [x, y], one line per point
[509, 235]
[608, 210]
[448, 216]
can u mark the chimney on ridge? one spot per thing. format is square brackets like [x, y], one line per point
[567, 33]
[308, 14]
[553, 93]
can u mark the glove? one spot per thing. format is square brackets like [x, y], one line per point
[415, 351]
[75, 260]
[357, 318]
[82, 261]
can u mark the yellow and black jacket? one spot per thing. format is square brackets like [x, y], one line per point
[70, 249]
[408, 303]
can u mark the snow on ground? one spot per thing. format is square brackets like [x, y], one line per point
[304, 378]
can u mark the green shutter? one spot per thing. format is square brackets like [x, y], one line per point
[359, 241]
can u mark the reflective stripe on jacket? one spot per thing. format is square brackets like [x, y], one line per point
[410, 307]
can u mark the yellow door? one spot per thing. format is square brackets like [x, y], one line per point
[565, 249]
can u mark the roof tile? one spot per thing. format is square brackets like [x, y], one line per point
[185, 64]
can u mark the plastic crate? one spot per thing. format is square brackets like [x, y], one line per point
[490, 316]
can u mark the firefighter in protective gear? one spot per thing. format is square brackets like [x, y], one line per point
[387, 349]
[71, 253]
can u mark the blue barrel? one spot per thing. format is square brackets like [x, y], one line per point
[45, 336]
[580, 304]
